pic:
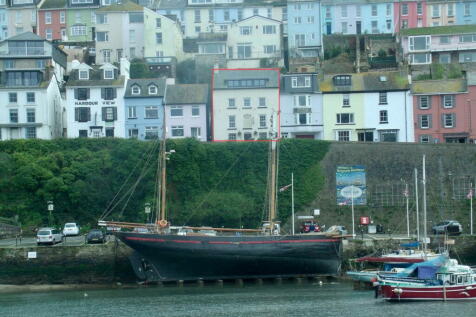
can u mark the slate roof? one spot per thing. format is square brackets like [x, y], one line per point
[53, 4]
[172, 4]
[223, 75]
[95, 79]
[361, 82]
[27, 36]
[144, 83]
[437, 87]
[126, 6]
[187, 94]
[440, 30]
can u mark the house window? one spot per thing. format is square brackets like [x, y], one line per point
[383, 115]
[231, 103]
[467, 9]
[342, 80]
[301, 82]
[195, 111]
[101, 18]
[262, 102]
[425, 121]
[158, 38]
[389, 9]
[211, 15]
[49, 34]
[425, 138]
[345, 118]
[151, 133]
[9, 63]
[284, 14]
[328, 12]
[419, 8]
[136, 17]
[109, 114]
[195, 132]
[132, 52]
[255, 11]
[197, 16]
[297, 20]
[84, 74]
[343, 11]
[131, 112]
[151, 112]
[30, 133]
[244, 50]
[374, 10]
[467, 38]
[262, 121]
[358, 11]
[102, 36]
[231, 122]
[12, 97]
[82, 93]
[108, 74]
[246, 102]
[158, 23]
[404, 9]
[300, 39]
[247, 136]
[108, 93]
[83, 133]
[269, 29]
[424, 102]
[47, 17]
[240, 14]
[343, 135]
[231, 136]
[419, 43]
[135, 90]
[448, 101]
[245, 30]
[302, 118]
[444, 39]
[450, 10]
[374, 27]
[345, 100]
[389, 24]
[82, 114]
[30, 97]
[176, 111]
[106, 55]
[448, 120]
[344, 27]
[78, 30]
[404, 24]
[62, 17]
[388, 135]
[132, 36]
[435, 11]
[14, 115]
[133, 133]
[152, 90]
[177, 130]
[421, 58]
[382, 98]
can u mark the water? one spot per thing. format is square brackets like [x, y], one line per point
[335, 299]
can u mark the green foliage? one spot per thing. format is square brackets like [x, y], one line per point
[437, 71]
[139, 69]
[332, 51]
[423, 77]
[454, 71]
[210, 184]
[189, 72]
[382, 53]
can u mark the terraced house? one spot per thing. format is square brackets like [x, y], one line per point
[80, 20]
[22, 16]
[370, 107]
[52, 19]
[3, 20]
[409, 14]
[31, 73]
[304, 28]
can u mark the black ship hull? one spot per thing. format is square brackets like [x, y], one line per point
[162, 257]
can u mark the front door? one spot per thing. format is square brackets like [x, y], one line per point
[358, 26]
[328, 28]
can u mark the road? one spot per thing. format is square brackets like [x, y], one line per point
[31, 242]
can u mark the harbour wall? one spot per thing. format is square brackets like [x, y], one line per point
[109, 263]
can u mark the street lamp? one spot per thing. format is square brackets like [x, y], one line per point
[147, 211]
[51, 207]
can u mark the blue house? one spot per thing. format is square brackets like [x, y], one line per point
[144, 109]
[304, 28]
[466, 12]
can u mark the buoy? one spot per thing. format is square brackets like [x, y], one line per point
[320, 283]
[85, 294]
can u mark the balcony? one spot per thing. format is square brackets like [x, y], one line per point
[22, 51]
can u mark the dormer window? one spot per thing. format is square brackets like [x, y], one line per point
[152, 90]
[83, 74]
[342, 80]
[135, 90]
[108, 74]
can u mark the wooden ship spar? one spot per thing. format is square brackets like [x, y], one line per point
[167, 253]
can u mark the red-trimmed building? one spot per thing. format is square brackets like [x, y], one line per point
[445, 110]
[409, 14]
[52, 19]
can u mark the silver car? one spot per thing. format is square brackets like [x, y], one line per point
[48, 236]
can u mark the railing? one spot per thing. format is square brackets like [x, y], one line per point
[21, 51]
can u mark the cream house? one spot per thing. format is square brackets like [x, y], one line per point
[253, 39]
[245, 104]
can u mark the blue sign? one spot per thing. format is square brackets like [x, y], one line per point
[351, 185]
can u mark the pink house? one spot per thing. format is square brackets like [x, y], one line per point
[444, 111]
[52, 20]
[409, 14]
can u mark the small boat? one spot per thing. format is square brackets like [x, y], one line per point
[438, 279]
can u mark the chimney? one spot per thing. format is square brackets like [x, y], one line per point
[124, 67]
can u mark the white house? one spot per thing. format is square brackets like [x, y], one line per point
[245, 104]
[95, 100]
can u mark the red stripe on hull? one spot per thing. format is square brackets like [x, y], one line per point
[429, 293]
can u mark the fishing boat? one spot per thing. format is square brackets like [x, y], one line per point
[168, 253]
[438, 279]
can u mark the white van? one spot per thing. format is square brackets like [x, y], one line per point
[48, 236]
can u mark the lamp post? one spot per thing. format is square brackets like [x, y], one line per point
[51, 207]
[147, 211]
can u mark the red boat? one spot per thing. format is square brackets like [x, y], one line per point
[438, 279]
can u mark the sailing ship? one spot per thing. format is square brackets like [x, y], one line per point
[167, 253]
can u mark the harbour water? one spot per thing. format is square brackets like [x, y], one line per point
[329, 299]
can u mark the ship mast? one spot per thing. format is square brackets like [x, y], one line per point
[162, 179]
[272, 187]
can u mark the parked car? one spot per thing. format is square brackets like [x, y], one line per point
[341, 230]
[310, 226]
[95, 236]
[71, 229]
[448, 226]
[48, 236]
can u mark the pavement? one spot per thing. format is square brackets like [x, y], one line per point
[31, 242]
